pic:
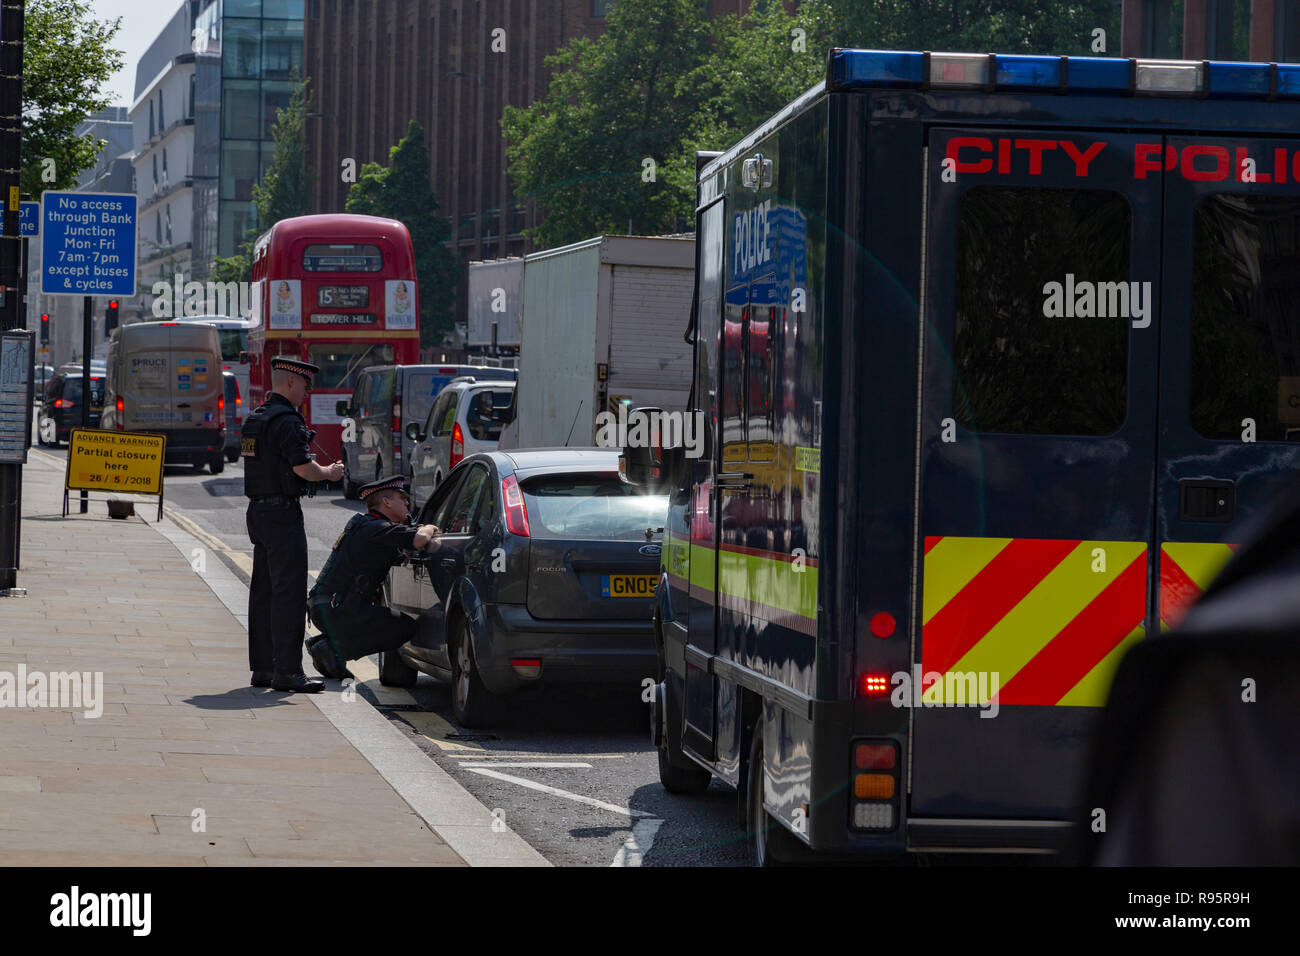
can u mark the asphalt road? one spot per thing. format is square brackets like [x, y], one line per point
[599, 803]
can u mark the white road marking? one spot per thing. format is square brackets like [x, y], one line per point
[557, 792]
[518, 754]
[530, 763]
[632, 853]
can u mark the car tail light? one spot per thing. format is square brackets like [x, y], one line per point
[516, 511]
[121, 406]
[875, 803]
[457, 445]
[63, 403]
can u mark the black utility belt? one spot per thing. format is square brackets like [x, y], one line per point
[274, 500]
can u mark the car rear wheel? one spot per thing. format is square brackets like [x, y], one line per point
[47, 432]
[395, 672]
[232, 456]
[217, 464]
[470, 701]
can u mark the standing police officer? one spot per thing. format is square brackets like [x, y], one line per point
[342, 602]
[276, 466]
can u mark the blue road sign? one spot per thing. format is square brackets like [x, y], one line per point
[88, 243]
[29, 219]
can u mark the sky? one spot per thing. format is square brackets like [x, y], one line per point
[142, 21]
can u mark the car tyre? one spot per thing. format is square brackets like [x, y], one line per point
[45, 431]
[471, 703]
[232, 456]
[217, 464]
[395, 672]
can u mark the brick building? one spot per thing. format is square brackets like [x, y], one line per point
[375, 65]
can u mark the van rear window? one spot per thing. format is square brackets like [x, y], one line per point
[1246, 317]
[1026, 360]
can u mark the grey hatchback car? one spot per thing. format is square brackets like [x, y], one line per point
[546, 572]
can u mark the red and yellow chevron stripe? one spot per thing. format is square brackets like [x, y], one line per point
[1186, 569]
[1052, 617]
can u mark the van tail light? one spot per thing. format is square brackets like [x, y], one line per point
[221, 404]
[397, 418]
[121, 410]
[516, 511]
[457, 445]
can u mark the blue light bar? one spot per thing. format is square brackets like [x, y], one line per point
[1288, 79]
[1239, 79]
[897, 69]
[1028, 72]
[889, 68]
[1099, 74]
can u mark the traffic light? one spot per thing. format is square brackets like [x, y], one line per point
[110, 318]
[45, 328]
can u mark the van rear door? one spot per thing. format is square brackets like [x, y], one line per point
[1230, 351]
[148, 377]
[195, 357]
[1038, 457]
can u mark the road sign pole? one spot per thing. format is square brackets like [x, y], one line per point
[87, 318]
[11, 111]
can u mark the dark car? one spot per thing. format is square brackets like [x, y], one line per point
[545, 573]
[60, 412]
[234, 415]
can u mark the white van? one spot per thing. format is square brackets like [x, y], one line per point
[165, 378]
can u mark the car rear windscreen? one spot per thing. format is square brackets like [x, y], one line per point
[591, 506]
[487, 413]
[72, 390]
[421, 389]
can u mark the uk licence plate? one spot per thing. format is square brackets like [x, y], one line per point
[628, 585]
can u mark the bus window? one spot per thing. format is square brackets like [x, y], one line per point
[1246, 317]
[1017, 369]
[340, 362]
[342, 257]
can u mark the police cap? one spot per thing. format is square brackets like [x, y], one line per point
[393, 483]
[289, 364]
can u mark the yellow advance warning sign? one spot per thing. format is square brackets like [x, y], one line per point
[118, 461]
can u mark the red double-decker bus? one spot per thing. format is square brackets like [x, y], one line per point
[338, 291]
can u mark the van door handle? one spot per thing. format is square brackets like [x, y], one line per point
[1206, 499]
[183, 405]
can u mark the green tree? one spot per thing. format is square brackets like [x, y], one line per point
[402, 191]
[663, 81]
[285, 188]
[67, 60]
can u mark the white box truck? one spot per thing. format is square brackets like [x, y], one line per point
[602, 324]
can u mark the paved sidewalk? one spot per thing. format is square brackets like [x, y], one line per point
[182, 735]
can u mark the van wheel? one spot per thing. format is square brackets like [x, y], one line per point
[395, 672]
[218, 464]
[349, 486]
[677, 772]
[770, 844]
[471, 703]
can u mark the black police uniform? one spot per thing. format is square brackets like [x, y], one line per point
[343, 602]
[275, 440]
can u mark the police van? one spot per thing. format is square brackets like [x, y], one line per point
[996, 354]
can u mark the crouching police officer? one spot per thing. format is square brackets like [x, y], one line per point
[274, 445]
[343, 603]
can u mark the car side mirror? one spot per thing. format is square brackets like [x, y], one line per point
[243, 358]
[341, 409]
[413, 431]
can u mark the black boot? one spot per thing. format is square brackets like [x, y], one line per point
[298, 683]
[325, 660]
[262, 679]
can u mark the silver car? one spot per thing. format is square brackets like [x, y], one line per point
[466, 418]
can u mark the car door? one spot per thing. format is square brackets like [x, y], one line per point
[1229, 437]
[406, 579]
[1037, 437]
[457, 516]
